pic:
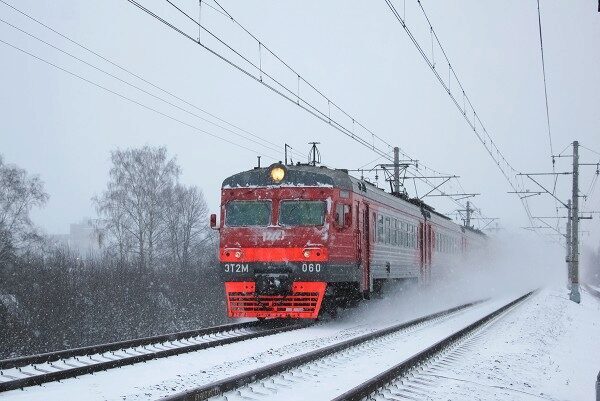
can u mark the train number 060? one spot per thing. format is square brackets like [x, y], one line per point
[311, 267]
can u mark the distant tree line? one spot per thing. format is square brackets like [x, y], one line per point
[154, 271]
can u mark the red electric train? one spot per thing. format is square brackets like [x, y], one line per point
[299, 239]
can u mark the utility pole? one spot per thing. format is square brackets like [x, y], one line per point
[468, 211]
[468, 219]
[568, 237]
[396, 170]
[574, 278]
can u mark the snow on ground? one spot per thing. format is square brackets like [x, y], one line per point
[546, 349]
[165, 376]
[332, 376]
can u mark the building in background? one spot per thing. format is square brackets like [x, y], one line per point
[83, 237]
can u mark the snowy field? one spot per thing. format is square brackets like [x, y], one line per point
[546, 349]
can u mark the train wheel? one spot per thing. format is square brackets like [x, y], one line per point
[377, 289]
[329, 308]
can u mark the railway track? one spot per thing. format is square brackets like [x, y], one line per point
[323, 365]
[385, 385]
[53, 366]
[592, 290]
[234, 382]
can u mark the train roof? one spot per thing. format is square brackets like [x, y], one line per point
[296, 175]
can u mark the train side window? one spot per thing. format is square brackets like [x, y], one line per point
[402, 233]
[387, 230]
[380, 228]
[395, 232]
[343, 217]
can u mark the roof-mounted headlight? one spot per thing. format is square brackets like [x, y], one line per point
[277, 172]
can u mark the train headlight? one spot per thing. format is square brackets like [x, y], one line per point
[306, 254]
[277, 173]
[238, 254]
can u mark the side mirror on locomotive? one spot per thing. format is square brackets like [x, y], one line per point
[213, 221]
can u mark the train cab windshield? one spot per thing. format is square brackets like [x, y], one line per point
[301, 213]
[248, 213]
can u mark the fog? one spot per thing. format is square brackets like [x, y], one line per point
[507, 266]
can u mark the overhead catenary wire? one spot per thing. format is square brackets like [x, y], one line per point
[271, 147]
[354, 121]
[505, 167]
[547, 109]
[135, 75]
[544, 76]
[278, 87]
[131, 100]
[254, 70]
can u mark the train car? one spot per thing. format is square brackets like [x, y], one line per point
[298, 239]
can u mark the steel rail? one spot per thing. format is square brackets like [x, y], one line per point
[101, 348]
[231, 383]
[129, 352]
[592, 290]
[367, 388]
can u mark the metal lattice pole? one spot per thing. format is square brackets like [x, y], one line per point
[574, 279]
[569, 241]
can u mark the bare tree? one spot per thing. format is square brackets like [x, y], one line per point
[19, 193]
[114, 227]
[186, 223]
[134, 203]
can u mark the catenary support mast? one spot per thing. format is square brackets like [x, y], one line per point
[574, 278]
[568, 237]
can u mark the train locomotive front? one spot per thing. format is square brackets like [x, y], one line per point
[286, 245]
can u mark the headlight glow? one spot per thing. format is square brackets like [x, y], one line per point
[277, 174]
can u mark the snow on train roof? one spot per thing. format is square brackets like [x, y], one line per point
[297, 175]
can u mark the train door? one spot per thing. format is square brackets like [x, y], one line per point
[425, 251]
[366, 249]
[358, 232]
[429, 250]
[421, 241]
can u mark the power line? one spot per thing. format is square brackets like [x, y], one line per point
[269, 145]
[15, 47]
[591, 150]
[547, 109]
[257, 72]
[544, 74]
[466, 109]
[136, 87]
[278, 87]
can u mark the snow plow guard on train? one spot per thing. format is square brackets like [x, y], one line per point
[303, 302]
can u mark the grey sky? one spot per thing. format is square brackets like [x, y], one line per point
[63, 128]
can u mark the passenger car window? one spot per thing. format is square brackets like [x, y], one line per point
[302, 213]
[387, 230]
[247, 213]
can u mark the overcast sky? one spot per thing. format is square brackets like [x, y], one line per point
[63, 128]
